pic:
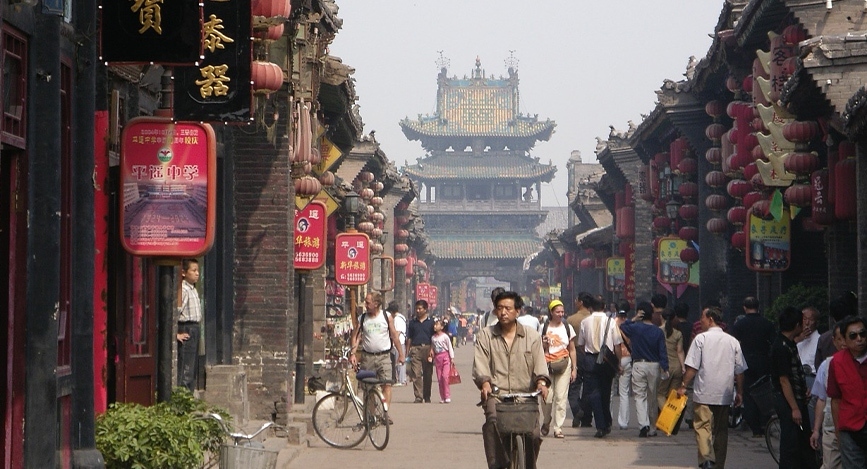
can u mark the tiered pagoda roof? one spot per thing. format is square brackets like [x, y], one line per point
[482, 246]
[478, 107]
[507, 166]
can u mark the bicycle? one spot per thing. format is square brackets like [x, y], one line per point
[244, 452]
[762, 392]
[517, 418]
[342, 419]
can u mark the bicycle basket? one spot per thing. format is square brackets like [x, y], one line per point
[246, 457]
[517, 417]
[762, 392]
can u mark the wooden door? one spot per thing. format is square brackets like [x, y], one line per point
[13, 203]
[137, 326]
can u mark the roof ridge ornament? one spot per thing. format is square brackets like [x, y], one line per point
[442, 61]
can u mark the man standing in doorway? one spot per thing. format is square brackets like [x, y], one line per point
[790, 394]
[419, 333]
[756, 334]
[713, 359]
[189, 324]
[581, 413]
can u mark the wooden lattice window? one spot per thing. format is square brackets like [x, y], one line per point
[13, 127]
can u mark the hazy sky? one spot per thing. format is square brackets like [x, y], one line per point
[584, 64]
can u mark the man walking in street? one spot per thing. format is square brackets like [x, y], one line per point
[510, 357]
[847, 388]
[376, 336]
[649, 358]
[419, 333]
[713, 360]
[756, 334]
[400, 324]
[597, 330]
[581, 413]
[790, 394]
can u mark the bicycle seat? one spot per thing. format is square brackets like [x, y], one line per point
[367, 377]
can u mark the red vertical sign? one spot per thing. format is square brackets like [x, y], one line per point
[310, 236]
[352, 259]
[432, 296]
[422, 290]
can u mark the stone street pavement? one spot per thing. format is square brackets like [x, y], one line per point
[449, 436]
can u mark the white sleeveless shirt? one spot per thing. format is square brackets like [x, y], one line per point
[374, 333]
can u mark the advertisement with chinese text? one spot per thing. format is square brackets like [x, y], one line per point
[769, 243]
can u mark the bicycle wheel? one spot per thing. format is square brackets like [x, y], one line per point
[377, 420]
[772, 438]
[519, 452]
[337, 421]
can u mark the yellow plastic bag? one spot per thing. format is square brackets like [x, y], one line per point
[670, 413]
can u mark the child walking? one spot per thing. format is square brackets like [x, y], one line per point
[442, 355]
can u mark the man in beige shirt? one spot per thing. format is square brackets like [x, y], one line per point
[581, 413]
[510, 357]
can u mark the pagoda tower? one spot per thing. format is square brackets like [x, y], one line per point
[479, 184]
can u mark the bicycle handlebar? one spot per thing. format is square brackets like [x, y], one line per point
[495, 392]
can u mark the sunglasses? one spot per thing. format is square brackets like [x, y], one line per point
[862, 333]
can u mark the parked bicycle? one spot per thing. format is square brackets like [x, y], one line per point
[517, 418]
[342, 418]
[244, 452]
[762, 391]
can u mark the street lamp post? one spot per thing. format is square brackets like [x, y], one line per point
[671, 209]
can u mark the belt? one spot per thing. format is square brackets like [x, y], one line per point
[376, 353]
[188, 323]
[419, 345]
[642, 360]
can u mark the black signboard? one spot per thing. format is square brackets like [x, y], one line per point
[219, 89]
[166, 32]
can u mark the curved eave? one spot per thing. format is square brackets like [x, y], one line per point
[415, 130]
[545, 173]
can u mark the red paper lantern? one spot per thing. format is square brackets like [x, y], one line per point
[845, 197]
[799, 195]
[378, 217]
[738, 188]
[401, 234]
[421, 264]
[689, 255]
[677, 152]
[715, 131]
[687, 166]
[266, 76]
[366, 193]
[801, 163]
[758, 125]
[688, 189]
[757, 182]
[661, 223]
[366, 227]
[376, 247]
[717, 225]
[688, 233]
[750, 170]
[400, 262]
[800, 131]
[737, 215]
[716, 202]
[715, 108]
[753, 197]
[713, 155]
[688, 211]
[327, 178]
[307, 186]
[739, 240]
[401, 247]
[401, 220]
[715, 179]
[271, 8]
[732, 83]
[794, 34]
[761, 208]
[587, 264]
[626, 223]
[747, 84]
[661, 158]
[822, 206]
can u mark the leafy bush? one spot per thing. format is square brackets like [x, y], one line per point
[168, 435]
[800, 297]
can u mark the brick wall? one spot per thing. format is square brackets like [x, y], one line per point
[265, 316]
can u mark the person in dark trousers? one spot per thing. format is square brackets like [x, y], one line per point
[419, 333]
[790, 394]
[190, 317]
[597, 330]
[582, 414]
[649, 359]
[756, 334]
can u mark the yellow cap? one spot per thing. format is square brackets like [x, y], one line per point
[553, 304]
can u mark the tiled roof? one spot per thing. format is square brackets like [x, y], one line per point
[482, 247]
[500, 167]
[488, 123]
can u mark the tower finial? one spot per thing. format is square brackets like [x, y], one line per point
[512, 61]
[442, 61]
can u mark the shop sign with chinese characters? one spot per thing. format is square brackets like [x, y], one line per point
[352, 259]
[672, 270]
[310, 242]
[165, 32]
[769, 243]
[218, 89]
[168, 182]
[615, 274]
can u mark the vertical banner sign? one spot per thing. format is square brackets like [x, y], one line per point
[422, 290]
[433, 294]
[615, 274]
[352, 259]
[165, 32]
[218, 89]
[168, 182]
[629, 263]
[769, 243]
[310, 236]
[672, 270]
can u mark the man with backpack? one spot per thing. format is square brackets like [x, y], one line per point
[376, 334]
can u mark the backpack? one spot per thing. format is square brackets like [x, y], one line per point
[361, 325]
[568, 330]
